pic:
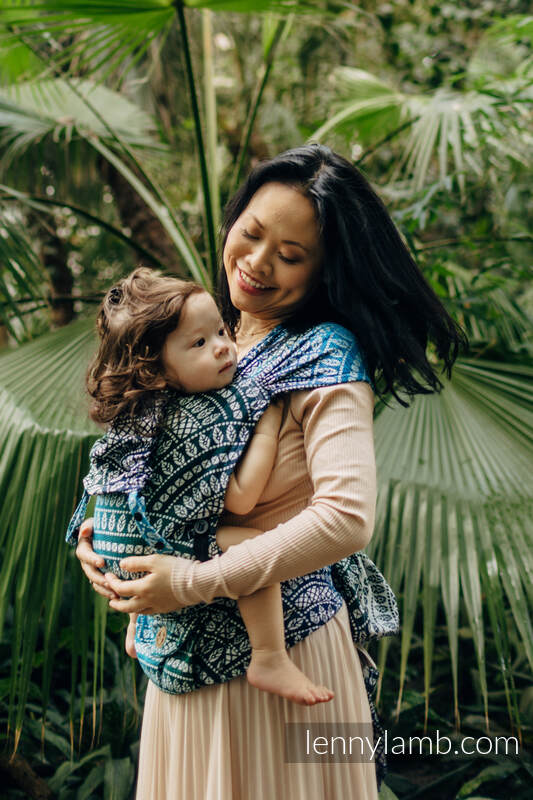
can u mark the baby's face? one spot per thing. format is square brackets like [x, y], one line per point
[199, 354]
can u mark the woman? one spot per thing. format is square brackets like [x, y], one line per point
[306, 241]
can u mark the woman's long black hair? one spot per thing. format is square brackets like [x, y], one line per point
[370, 282]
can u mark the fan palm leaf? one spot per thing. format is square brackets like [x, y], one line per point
[101, 36]
[31, 110]
[107, 122]
[46, 437]
[110, 37]
[454, 514]
[450, 129]
[364, 102]
[486, 305]
[22, 277]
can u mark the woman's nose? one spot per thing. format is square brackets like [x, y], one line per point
[258, 258]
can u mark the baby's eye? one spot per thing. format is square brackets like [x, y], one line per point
[222, 331]
[199, 343]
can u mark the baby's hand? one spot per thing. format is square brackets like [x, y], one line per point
[270, 422]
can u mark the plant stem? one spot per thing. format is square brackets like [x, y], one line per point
[210, 114]
[185, 247]
[208, 209]
[254, 107]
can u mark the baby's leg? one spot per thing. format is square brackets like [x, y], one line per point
[270, 667]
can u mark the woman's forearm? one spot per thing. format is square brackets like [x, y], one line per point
[322, 537]
[338, 439]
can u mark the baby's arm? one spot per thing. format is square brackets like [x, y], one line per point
[250, 477]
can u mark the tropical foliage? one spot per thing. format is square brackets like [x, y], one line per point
[123, 129]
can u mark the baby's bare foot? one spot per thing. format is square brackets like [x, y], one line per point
[273, 671]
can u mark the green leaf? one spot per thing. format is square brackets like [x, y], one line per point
[104, 37]
[69, 767]
[42, 460]
[497, 772]
[32, 110]
[453, 469]
[364, 105]
[386, 793]
[91, 782]
[118, 779]
[22, 277]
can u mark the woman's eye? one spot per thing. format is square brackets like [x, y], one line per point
[249, 235]
[199, 343]
[288, 260]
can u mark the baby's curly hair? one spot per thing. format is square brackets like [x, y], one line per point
[135, 318]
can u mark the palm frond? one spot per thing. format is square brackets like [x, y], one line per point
[454, 514]
[22, 277]
[449, 128]
[365, 104]
[110, 37]
[260, 6]
[46, 438]
[465, 131]
[99, 37]
[514, 28]
[54, 107]
[488, 309]
[34, 111]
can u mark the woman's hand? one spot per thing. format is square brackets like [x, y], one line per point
[151, 594]
[90, 561]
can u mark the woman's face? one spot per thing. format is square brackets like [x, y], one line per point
[273, 253]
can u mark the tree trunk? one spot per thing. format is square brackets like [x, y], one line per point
[55, 261]
[16, 771]
[144, 226]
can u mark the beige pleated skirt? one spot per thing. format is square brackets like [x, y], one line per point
[227, 741]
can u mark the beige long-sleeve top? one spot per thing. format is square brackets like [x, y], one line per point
[317, 507]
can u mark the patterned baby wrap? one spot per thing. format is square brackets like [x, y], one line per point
[162, 482]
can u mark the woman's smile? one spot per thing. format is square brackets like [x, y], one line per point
[249, 284]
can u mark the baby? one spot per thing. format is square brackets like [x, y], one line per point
[159, 333]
